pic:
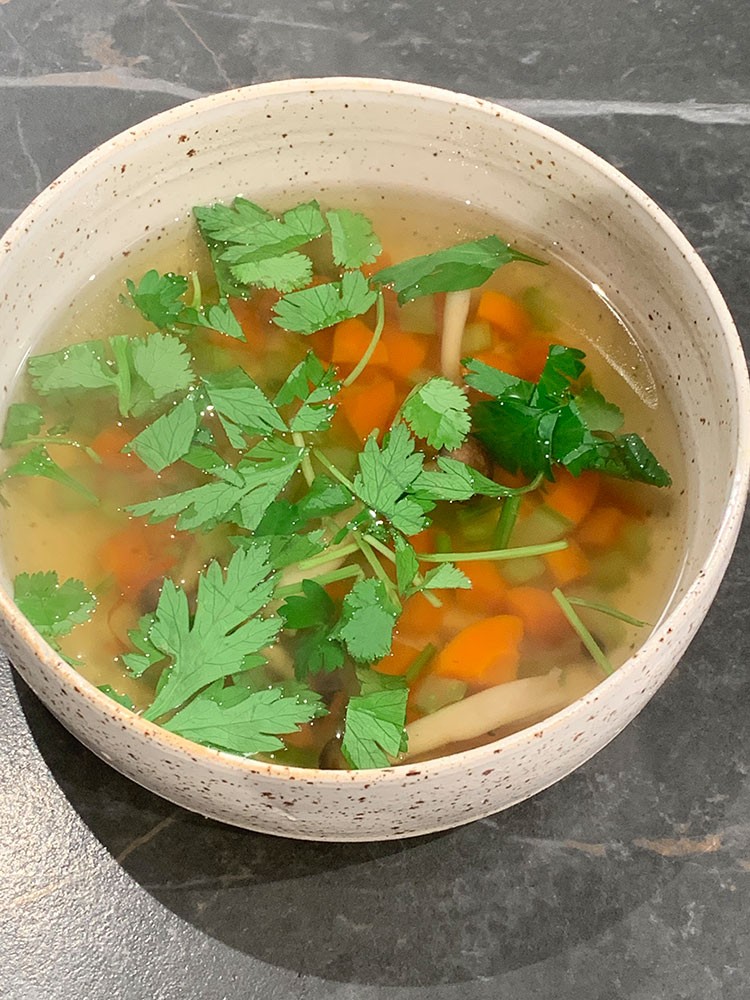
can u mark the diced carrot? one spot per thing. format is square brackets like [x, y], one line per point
[484, 653]
[602, 528]
[406, 351]
[568, 564]
[369, 404]
[531, 357]
[108, 445]
[488, 588]
[501, 357]
[505, 313]
[541, 614]
[419, 618]
[338, 590]
[573, 496]
[350, 341]
[424, 541]
[398, 660]
[138, 554]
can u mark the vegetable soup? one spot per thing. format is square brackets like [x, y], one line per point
[341, 486]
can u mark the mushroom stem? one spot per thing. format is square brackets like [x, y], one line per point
[515, 701]
[454, 320]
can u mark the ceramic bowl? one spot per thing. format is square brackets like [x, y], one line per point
[267, 141]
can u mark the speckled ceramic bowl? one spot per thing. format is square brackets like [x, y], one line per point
[267, 140]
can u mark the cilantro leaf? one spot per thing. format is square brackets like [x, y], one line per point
[23, 420]
[353, 241]
[240, 403]
[122, 699]
[224, 630]
[372, 680]
[325, 498]
[312, 607]
[530, 427]
[454, 480]
[314, 385]
[229, 223]
[53, 608]
[465, 265]
[147, 655]
[168, 438]
[158, 297]
[258, 479]
[321, 306]
[272, 238]
[286, 273]
[162, 362]
[38, 462]
[317, 648]
[387, 476]
[284, 550]
[242, 721]
[217, 317]
[367, 620]
[437, 411]
[79, 366]
[374, 728]
[445, 576]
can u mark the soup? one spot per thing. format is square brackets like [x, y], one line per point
[293, 489]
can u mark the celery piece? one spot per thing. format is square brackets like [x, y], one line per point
[540, 307]
[610, 571]
[519, 571]
[418, 316]
[635, 541]
[437, 692]
[477, 337]
[542, 525]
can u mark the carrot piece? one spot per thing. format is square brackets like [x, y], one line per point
[350, 340]
[420, 618]
[367, 405]
[531, 357]
[398, 660]
[501, 357]
[488, 588]
[108, 445]
[504, 312]
[138, 554]
[425, 541]
[406, 351]
[568, 564]
[573, 496]
[484, 653]
[541, 614]
[602, 528]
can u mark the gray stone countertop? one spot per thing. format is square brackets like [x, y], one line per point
[629, 880]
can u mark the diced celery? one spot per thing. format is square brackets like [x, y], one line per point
[542, 525]
[519, 571]
[437, 692]
[610, 571]
[540, 307]
[477, 337]
[443, 542]
[418, 316]
[635, 541]
[479, 527]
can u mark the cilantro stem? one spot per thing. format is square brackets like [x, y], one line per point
[583, 633]
[197, 293]
[418, 578]
[306, 465]
[419, 663]
[336, 473]
[380, 573]
[344, 573]
[521, 552]
[329, 555]
[507, 521]
[123, 381]
[46, 439]
[363, 361]
[607, 609]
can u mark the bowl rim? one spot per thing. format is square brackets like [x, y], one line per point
[706, 580]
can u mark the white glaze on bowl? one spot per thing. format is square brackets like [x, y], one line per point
[265, 141]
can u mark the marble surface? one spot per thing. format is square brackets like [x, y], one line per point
[629, 880]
